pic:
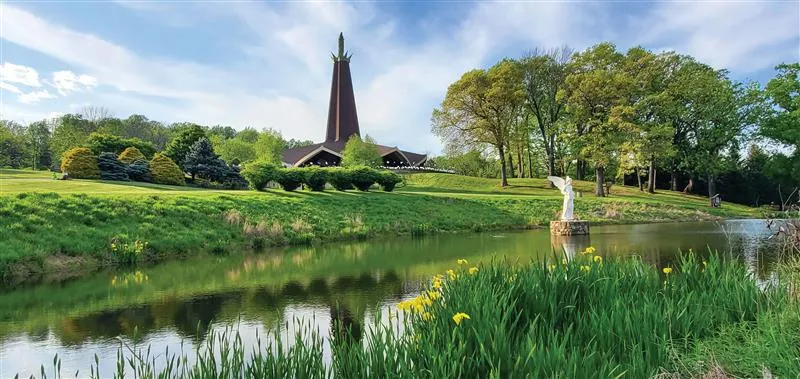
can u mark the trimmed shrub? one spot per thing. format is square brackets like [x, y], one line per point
[80, 163]
[165, 171]
[111, 168]
[139, 171]
[258, 174]
[315, 178]
[101, 143]
[388, 180]
[340, 179]
[130, 155]
[290, 178]
[363, 177]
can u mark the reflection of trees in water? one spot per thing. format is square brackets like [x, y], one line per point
[107, 324]
[346, 327]
[348, 298]
[193, 319]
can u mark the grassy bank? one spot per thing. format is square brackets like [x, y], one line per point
[583, 319]
[61, 226]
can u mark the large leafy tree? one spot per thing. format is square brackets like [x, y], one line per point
[481, 108]
[544, 75]
[234, 150]
[38, 137]
[269, 147]
[597, 94]
[782, 122]
[359, 152]
[12, 148]
[651, 132]
[248, 135]
[186, 135]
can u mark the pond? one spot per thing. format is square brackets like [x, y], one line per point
[175, 304]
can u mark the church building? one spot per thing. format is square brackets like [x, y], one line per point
[342, 124]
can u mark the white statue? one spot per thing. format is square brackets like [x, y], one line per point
[565, 186]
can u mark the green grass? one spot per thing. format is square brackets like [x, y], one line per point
[583, 319]
[51, 225]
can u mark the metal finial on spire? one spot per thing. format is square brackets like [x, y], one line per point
[341, 45]
[342, 56]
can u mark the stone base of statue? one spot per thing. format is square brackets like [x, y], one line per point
[569, 228]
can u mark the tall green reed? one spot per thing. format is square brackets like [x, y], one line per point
[585, 318]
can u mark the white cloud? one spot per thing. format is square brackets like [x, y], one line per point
[67, 81]
[742, 36]
[35, 96]
[14, 73]
[10, 88]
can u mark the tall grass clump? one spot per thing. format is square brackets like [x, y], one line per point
[586, 318]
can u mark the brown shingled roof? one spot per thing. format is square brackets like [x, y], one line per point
[293, 156]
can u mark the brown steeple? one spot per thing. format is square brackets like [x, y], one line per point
[342, 117]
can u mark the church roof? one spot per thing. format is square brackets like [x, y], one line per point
[300, 155]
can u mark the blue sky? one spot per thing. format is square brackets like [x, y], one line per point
[266, 64]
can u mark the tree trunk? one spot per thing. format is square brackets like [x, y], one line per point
[503, 178]
[689, 186]
[580, 169]
[639, 179]
[712, 189]
[600, 191]
[551, 169]
[673, 181]
[520, 164]
[530, 161]
[651, 183]
[510, 161]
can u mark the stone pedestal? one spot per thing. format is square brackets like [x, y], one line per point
[569, 228]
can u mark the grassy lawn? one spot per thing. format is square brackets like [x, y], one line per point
[51, 225]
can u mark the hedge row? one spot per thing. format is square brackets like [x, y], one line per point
[259, 174]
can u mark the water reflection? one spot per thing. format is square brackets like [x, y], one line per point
[336, 288]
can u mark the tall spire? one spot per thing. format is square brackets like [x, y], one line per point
[342, 117]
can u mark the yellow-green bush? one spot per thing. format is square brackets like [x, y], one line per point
[80, 163]
[165, 171]
[130, 155]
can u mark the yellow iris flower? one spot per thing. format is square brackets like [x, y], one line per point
[460, 316]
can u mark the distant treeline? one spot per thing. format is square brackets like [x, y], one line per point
[41, 144]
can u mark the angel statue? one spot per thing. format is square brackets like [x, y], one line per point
[565, 186]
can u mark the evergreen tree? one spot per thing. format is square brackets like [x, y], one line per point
[111, 168]
[201, 160]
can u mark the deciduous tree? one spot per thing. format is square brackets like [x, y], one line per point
[481, 108]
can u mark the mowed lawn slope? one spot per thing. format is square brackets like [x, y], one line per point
[50, 225]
